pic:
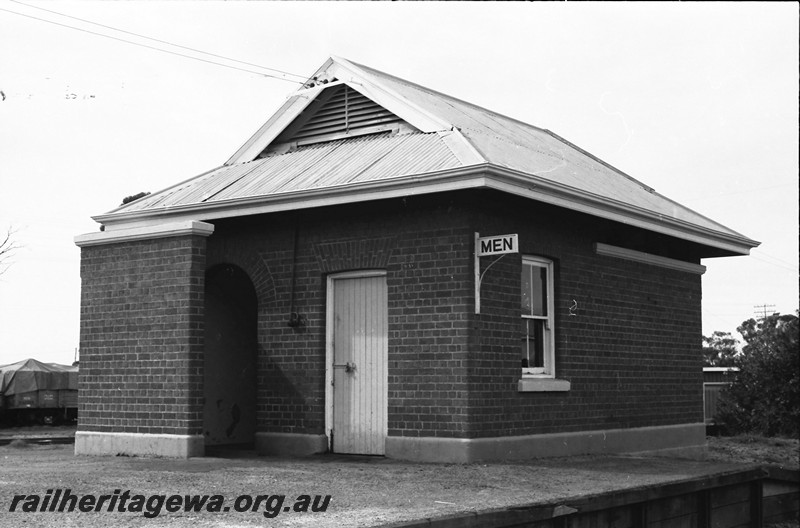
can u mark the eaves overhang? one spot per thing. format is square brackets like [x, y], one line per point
[484, 175]
[408, 185]
[525, 185]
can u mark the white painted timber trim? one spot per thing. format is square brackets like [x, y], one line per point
[399, 187]
[474, 176]
[647, 258]
[138, 444]
[112, 236]
[543, 385]
[276, 124]
[386, 97]
[354, 77]
[527, 186]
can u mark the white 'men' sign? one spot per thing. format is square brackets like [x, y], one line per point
[497, 245]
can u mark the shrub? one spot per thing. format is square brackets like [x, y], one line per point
[764, 397]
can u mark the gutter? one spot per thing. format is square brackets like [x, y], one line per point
[483, 175]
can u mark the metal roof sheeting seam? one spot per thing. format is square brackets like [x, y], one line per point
[514, 144]
[362, 159]
[501, 141]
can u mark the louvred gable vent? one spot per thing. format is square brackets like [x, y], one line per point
[346, 112]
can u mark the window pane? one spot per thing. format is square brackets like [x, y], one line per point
[527, 295]
[540, 308]
[533, 343]
[536, 337]
[534, 290]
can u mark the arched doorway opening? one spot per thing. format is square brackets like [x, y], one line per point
[231, 313]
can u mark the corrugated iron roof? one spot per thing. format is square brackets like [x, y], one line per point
[326, 165]
[516, 145]
[457, 135]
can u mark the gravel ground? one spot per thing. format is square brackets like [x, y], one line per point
[364, 491]
[37, 431]
[746, 449]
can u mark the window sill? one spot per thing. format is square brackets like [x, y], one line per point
[543, 385]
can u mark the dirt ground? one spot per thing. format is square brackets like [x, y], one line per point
[364, 491]
[747, 449]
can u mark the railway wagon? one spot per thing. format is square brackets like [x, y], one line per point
[36, 392]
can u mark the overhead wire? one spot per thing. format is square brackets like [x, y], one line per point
[303, 77]
[773, 257]
[282, 78]
[765, 261]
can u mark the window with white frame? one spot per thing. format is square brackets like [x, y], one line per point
[537, 317]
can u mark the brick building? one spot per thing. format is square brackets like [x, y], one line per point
[335, 286]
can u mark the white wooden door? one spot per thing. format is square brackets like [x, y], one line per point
[359, 364]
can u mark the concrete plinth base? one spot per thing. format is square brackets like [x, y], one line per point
[684, 441]
[138, 444]
[290, 444]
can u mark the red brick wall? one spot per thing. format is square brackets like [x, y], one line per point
[425, 251]
[141, 336]
[631, 352]
[430, 297]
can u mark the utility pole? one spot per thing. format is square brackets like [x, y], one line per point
[761, 309]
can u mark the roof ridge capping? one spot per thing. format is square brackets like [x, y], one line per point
[510, 118]
[421, 114]
[647, 187]
[462, 101]
[644, 186]
[484, 143]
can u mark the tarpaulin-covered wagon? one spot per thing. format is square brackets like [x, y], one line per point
[32, 391]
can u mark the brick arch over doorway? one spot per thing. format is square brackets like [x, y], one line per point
[253, 263]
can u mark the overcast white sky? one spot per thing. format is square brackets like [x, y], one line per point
[698, 100]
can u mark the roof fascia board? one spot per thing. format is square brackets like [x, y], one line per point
[131, 234]
[420, 184]
[520, 184]
[475, 176]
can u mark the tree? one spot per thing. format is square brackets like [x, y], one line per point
[7, 247]
[764, 397]
[720, 350]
